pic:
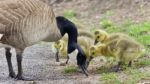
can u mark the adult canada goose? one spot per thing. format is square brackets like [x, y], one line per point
[27, 22]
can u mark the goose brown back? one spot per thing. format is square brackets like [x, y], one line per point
[25, 21]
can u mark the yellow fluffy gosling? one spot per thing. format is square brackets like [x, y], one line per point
[103, 37]
[123, 50]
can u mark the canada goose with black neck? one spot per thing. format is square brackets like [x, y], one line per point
[26, 22]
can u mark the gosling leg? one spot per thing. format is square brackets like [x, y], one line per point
[10, 67]
[57, 56]
[64, 64]
[117, 67]
[67, 59]
[130, 64]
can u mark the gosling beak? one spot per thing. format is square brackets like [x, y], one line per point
[88, 62]
[95, 42]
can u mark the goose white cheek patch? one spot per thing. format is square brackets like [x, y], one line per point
[73, 56]
[1, 36]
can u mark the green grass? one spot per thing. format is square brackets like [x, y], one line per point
[132, 76]
[142, 63]
[70, 14]
[106, 23]
[109, 13]
[78, 23]
[140, 31]
[110, 78]
[103, 69]
[70, 69]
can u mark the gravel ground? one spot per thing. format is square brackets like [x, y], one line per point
[39, 63]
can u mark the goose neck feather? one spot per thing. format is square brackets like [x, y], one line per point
[66, 26]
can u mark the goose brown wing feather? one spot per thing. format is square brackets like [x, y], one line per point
[13, 11]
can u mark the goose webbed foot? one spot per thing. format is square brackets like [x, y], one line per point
[18, 77]
[12, 75]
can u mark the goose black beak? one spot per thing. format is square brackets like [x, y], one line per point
[95, 42]
[81, 60]
[84, 69]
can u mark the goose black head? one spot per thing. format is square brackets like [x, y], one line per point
[66, 26]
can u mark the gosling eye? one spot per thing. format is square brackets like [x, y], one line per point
[93, 53]
[98, 36]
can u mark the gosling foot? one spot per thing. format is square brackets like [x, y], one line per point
[116, 68]
[63, 64]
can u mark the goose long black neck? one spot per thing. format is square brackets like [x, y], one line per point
[66, 26]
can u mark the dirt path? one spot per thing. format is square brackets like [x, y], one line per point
[39, 62]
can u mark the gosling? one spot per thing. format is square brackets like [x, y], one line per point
[103, 37]
[122, 49]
